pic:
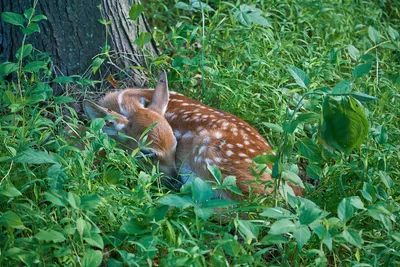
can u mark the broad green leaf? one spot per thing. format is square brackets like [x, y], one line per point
[56, 200]
[299, 76]
[143, 39]
[363, 97]
[218, 203]
[352, 237]
[200, 5]
[276, 213]
[50, 236]
[133, 228]
[248, 230]
[282, 226]
[8, 190]
[386, 180]
[229, 181]
[95, 240]
[249, 15]
[63, 79]
[274, 240]
[203, 213]
[96, 64]
[111, 262]
[92, 258]
[80, 225]
[323, 234]
[26, 256]
[135, 11]
[274, 127]
[90, 202]
[184, 6]
[307, 117]
[31, 28]
[265, 159]
[24, 51]
[356, 202]
[7, 68]
[38, 18]
[181, 202]
[63, 99]
[34, 157]
[302, 234]
[11, 219]
[362, 70]
[292, 177]
[344, 124]
[353, 52]
[373, 34]
[28, 13]
[394, 35]
[35, 66]
[201, 190]
[343, 87]
[309, 214]
[13, 18]
[309, 150]
[314, 171]
[345, 210]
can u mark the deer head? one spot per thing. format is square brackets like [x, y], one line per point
[131, 117]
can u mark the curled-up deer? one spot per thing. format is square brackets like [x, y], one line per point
[188, 135]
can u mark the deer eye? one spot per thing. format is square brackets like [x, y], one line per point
[145, 103]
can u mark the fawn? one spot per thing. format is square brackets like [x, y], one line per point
[188, 134]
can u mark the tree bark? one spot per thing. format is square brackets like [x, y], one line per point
[73, 36]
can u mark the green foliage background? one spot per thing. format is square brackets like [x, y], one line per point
[274, 67]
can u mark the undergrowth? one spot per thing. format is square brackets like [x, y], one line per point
[320, 80]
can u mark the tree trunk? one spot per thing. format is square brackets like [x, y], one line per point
[73, 35]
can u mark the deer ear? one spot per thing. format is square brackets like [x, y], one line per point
[94, 111]
[159, 101]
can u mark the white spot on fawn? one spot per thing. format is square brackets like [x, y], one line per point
[121, 108]
[251, 150]
[185, 104]
[229, 153]
[208, 161]
[248, 160]
[217, 159]
[119, 126]
[198, 159]
[229, 145]
[188, 135]
[177, 134]
[217, 135]
[239, 145]
[202, 149]
[242, 155]
[206, 140]
[246, 143]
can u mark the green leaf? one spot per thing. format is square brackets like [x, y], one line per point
[249, 15]
[309, 214]
[218, 203]
[201, 190]
[96, 64]
[352, 237]
[386, 180]
[11, 219]
[24, 51]
[356, 202]
[362, 70]
[90, 202]
[38, 18]
[9, 190]
[248, 230]
[63, 100]
[143, 39]
[13, 18]
[92, 258]
[302, 234]
[95, 240]
[344, 124]
[34, 157]
[274, 127]
[354, 53]
[204, 213]
[56, 200]
[274, 240]
[135, 11]
[133, 228]
[309, 150]
[31, 28]
[314, 171]
[292, 177]
[345, 210]
[373, 34]
[50, 236]
[176, 201]
[28, 13]
[216, 173]
[276, 213]
[229, 181]
[35, 66]
[282, 226]
[184, 6]
[343, 87]
[196, 4]
[363, 97]
[394, 35]
[299, 76]
[63, 79]
[265, 159]
[7, 68]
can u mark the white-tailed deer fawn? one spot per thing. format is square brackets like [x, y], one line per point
[203, 135]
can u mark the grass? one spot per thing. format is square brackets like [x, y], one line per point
[63, 205]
